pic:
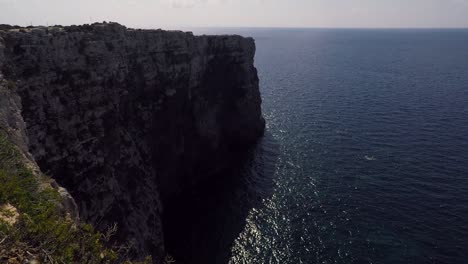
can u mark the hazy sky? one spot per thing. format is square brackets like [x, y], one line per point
[247, 13]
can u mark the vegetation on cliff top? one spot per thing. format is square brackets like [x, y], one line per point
[32, 226]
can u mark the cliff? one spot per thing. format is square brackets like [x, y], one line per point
[127, 119]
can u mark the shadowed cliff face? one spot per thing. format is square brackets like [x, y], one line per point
[128, 119]
[215, 211]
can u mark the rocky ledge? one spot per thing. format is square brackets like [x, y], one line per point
[127, 119]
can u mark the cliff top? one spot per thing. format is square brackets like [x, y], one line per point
[94, 27]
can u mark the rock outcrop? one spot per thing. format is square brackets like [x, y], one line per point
[128, 119]
[14, 127]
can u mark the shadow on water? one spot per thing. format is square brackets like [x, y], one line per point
[202, 226]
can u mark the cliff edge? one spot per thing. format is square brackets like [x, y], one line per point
[128, 119]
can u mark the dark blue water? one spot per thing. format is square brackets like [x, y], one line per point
[371, 129]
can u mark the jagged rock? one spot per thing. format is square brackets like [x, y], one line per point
[127, 119]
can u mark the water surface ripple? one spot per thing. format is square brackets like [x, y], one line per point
[372, 129]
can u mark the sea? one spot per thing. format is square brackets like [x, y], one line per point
[365, 155]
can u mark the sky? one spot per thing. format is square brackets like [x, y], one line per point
[173, 14]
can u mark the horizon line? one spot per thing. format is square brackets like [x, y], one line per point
[289, 27]
[175, 27]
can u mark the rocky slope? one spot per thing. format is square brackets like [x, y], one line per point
[127, 119]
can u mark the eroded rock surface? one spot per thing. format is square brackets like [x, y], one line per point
[127, 119]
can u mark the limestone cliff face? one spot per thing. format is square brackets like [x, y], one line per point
[127, 119]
